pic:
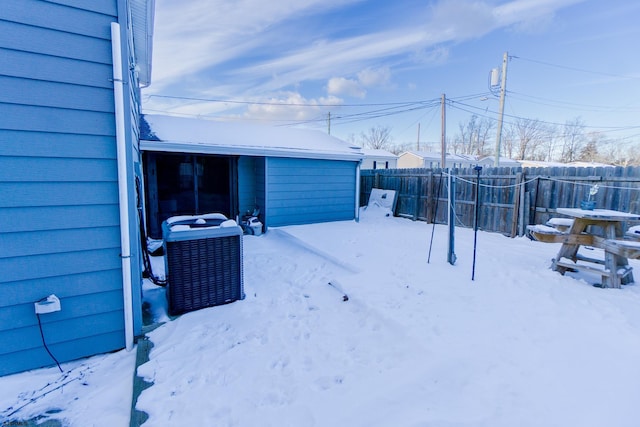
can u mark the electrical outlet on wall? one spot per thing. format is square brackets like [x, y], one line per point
[50, 304]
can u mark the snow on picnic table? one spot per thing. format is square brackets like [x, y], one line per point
[416, 344]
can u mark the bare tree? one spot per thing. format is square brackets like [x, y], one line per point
[507, 141]
[400, 148]
[549, 143]
[529, 134]
[455, 145]
[572, 139]
[590, 151]
[473, 136]
[377, 138]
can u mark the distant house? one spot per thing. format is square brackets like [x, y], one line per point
[292, 176]
[70, 73]
[539, 164]
[427, 159]
[504, 162]
[378, 159]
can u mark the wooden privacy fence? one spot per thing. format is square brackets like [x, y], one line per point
[509, 198]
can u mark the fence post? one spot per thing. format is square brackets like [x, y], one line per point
[516, 205]
[427, 214]
[451, 254]
[416, 212]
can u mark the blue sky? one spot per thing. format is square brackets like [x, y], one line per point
[386, 63]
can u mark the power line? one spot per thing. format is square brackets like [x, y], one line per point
[608, 128]
[565, 67]
[564, 104]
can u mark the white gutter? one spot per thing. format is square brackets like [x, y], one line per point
[125, 243]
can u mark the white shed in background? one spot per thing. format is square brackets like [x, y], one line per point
[378, 159]
[505, 162]
[427, 159]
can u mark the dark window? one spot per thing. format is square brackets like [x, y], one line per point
[179, 184]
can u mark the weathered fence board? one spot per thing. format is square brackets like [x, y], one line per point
[509, 198]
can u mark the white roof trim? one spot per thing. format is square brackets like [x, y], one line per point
[142, 20]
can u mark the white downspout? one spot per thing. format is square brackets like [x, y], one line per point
[125, 243]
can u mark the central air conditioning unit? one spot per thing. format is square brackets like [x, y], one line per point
[203, 261]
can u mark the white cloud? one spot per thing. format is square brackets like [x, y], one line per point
[242, 48]
[320, 61]
[369, 77]
[461, 19]
[292, 107]
[193, 35]
[342, 86]
[434, 56]
[374, 76]
[523, 13]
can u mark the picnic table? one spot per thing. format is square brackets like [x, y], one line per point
[582, 231]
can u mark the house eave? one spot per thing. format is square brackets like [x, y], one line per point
[253, 151]
[142, 22]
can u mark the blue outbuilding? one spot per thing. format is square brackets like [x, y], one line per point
[292, 176]
[70, 78]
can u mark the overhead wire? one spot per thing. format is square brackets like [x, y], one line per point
[473, 107]
[579, 107]
[565, 67]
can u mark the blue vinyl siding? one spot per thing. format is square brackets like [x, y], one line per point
[29, 243]
[38, 169]
[25, 219]
[70, 285]
[25, 268]
[303, 191]
[55, 145]
[24, 360]
[58, 95]
[16, 63]
[77, 306]
[36, 194]
[60, 17]
[59, 220]
[55, 120]
[54, 43]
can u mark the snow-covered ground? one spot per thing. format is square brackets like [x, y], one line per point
[416, 344]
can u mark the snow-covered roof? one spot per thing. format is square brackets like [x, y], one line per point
[435, 156]
[589, 164]
[185, 135]
[369, 152]
[541, 164]
[504, 161]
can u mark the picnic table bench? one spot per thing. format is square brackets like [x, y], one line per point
[618, 248]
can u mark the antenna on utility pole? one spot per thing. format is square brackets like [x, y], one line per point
[503, 90]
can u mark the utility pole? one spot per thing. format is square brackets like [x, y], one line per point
[418, 143]
[503, 90]
[329, 122]
[443, 141]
